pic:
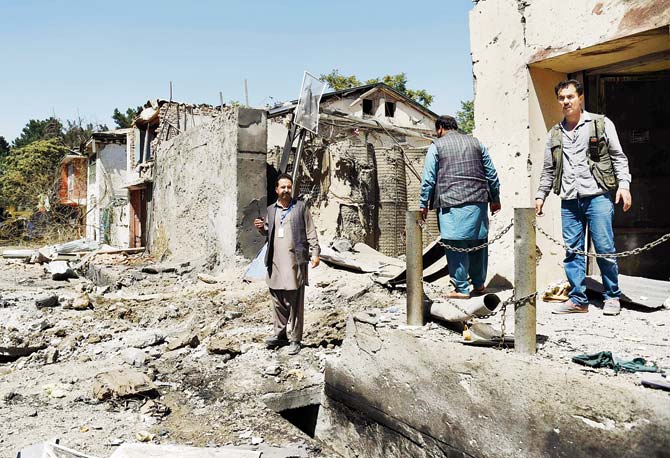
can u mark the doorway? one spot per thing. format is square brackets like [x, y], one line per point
[138, 217]
[639, 106]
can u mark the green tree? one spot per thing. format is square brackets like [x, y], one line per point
[4, 148]
[123, 121]
[398, 82]
[39, 130]
[466, 116]
[76, 134]
[31, 171]
[340, 82]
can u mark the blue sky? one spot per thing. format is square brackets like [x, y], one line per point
[85, 58]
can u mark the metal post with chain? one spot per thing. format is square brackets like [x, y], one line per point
[495, 238]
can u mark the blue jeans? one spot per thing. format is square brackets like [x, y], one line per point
[461, 265]
[597, 212]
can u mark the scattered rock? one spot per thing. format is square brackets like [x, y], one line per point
[207, 278]
[41, 325]
[56, 391]
[154, 409]
[134, 356]
[272, 370]
[186, 339]
[139, 276]
[232, 314]
[342, 245]
[51, 356]
[224, 346]
[369, 317]
[81, 302]
[158, 269]
[121, 384]
[47, 300]
[143, 339]
[60, 270]
[144, 436]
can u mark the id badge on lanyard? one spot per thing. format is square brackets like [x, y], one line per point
[280, 229]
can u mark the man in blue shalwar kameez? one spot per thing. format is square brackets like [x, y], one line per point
[460, 182]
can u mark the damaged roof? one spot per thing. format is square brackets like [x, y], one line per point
[109, 136]
[288, 107]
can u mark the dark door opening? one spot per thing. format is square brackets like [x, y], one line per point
[639, 106]
[138, 217]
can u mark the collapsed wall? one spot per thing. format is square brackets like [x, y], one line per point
[209, 185]
[358, 181]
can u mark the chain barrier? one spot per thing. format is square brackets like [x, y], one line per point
[497, 237]
[622, 254]
[511, 300]
[503, 309]
[500, 309]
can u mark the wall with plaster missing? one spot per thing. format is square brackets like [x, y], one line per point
[358, 180]
[520, 50]
[209, 185]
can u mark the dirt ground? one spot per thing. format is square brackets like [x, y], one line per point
[214, 391]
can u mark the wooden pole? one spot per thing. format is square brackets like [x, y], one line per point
[416, 314]
[246, 92]
[525, 263]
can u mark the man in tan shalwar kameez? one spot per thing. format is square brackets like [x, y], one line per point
[291, 239]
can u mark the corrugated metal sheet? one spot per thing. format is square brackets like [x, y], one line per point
[640, 291]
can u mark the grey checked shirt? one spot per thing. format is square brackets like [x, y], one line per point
[577, 178]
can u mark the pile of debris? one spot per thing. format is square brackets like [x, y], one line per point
[65, 260]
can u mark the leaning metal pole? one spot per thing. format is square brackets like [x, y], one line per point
[416, 315]
[525, 262]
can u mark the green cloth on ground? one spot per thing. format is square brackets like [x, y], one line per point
[605, 359]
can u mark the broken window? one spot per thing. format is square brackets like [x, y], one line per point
[389, 109]
[143, 139]
[92, 159]
[368, 107]
[70, 178]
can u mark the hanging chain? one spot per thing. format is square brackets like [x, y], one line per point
[502, 309]
[622, 254]
[497, 237]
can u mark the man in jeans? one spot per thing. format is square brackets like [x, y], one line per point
[583, 163]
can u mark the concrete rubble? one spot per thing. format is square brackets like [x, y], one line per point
[122, 356]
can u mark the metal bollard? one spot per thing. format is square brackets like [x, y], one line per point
[416, 315]
[525, 262]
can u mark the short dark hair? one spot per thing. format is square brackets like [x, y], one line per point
[284, 176]
[446, 122]
[563, 84]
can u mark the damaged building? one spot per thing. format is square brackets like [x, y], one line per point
[194, 170]
[191, 170]
[620, 50]
[361, 172]
[107, 198]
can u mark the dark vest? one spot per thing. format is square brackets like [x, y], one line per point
[461, 177]
[598, 157]
[298, 231]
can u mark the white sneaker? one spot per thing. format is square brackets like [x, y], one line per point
[611, 307]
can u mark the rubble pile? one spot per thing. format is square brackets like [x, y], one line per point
[135, 351]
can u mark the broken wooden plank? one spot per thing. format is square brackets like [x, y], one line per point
[17, 254]
[641, 291]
